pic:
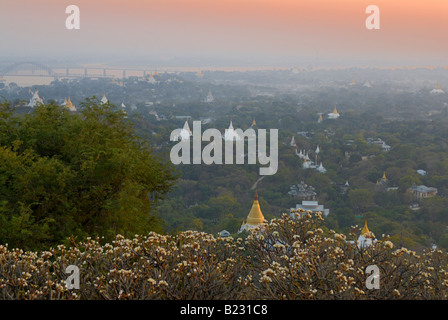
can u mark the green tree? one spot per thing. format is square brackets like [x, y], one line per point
[77, 174]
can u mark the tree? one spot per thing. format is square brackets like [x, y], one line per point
[360, 199]
[79, 174]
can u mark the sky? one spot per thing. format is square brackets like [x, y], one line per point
[226, 32]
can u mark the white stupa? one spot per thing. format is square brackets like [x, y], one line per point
[334, 115]
[185, 133]
[104, 100]
[293, 142]
[230, 134]
[35, 100]
[151, 79]
[209, 98]
[437, 90]
[123, 110]
[367, 84]
[367, 238]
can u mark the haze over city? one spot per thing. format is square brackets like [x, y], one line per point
[280, 33]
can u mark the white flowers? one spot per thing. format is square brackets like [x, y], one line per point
[265, 279]
[388, 244]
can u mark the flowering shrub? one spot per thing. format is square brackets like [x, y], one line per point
[289, 258]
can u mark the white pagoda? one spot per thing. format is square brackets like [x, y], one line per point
[35, 100]
[321, 168]
[104, 100]
[334, 115]
[185, 133]
[209, 98]
[293, 142]
[367, 84]
[437, 90]
[230, 134]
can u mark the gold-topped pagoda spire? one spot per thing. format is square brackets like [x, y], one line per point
[335, 111]
[365, 231]
[255, 216]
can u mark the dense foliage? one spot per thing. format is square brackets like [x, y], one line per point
[289, 258]
[75, 174]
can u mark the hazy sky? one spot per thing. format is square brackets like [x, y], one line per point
[269, 32]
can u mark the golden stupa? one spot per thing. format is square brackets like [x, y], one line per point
[255, 216]
[365, 232]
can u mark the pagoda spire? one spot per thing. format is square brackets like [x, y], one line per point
[255, 216]
[365, 231]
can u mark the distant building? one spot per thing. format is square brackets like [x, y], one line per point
[383, 181]
[224, 233]
[293, 142]
[314, 206]
[104, 100]
[123, 110]
[230, 134]
[151, 79]
[422, 192]
[35, 100]
[302, 191]
[343, 187]
[421, 172]
[366, 238]
[320, 119]
[380, 143]
[321, 168]
[437, 90]
[185, 133]
[68, 104]
[367, 84]
[209, 98]
[334, 115]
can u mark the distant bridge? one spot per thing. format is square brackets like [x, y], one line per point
[34, 69]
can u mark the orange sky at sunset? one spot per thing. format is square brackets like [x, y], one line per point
[276, 30]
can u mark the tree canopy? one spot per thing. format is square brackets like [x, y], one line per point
[78, 174]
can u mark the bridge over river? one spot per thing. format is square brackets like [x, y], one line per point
[35, 69]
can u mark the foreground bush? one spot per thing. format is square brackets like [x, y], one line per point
[288, 259]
